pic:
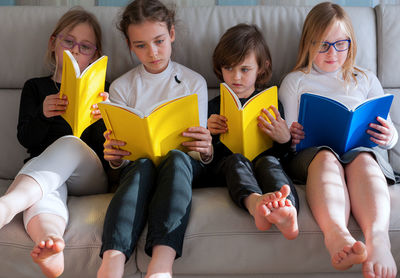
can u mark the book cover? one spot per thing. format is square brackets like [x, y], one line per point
[82, 90]
[329, 122]
[154, 134]
[244, 136]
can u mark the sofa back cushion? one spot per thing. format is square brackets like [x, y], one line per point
[25, 33]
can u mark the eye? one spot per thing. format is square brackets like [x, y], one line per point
[159, 41]
[227, 68]
[86, 47]
[245, 69]
[139, 45]
[68, 42]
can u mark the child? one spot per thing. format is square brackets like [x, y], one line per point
[59, 163]
[160, 195]
[357, 180]
[242, 60]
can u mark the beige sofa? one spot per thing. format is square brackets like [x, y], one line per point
[221, 239]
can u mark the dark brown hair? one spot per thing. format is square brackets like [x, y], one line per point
[139, 11]
[238, 42]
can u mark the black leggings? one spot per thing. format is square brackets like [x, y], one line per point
[264, 175]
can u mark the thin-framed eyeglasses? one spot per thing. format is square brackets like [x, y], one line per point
[340, 45]
[85, 48]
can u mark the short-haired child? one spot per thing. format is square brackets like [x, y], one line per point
[242, 60]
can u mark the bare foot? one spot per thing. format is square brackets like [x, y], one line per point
[48, 254]
[161, 262]
[284, 217]
[380, 262]
[113, 264]
[349, 255]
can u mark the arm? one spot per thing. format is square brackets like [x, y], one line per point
[383, 134]
[36, 115]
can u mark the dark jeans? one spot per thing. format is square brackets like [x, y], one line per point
[243, 177]
[161, 195]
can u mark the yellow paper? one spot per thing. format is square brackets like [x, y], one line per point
[244, 136]
[82, 90]
[152, 136]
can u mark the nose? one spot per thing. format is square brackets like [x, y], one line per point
[236, 74]
[75, 49]
[331, 50]
[153, 51]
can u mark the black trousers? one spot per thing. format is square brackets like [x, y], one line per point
[243, 177]
[161, 196]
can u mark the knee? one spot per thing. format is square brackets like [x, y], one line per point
[235, 159]
[324, 156]
[142, 165]
[364, 159]
[267, 162]
[70, 143]
[176, 159]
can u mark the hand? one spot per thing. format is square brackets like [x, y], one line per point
[54, 106]
[276, 128]
[296, 130]
[202, 141]
[96, 112]
[112, 152]
[217, 124]
[384, 134]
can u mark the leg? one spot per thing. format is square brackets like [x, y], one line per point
[126, 217]
[22, 193]
[45, 223]
[279, 204]
[169, 211]
[370, 204]
[329, 202]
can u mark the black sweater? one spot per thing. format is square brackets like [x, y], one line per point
[36, 132]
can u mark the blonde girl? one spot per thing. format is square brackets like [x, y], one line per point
[59, 163]
[357, 180]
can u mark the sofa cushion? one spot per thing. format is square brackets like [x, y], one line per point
[388, 46]
[222, 239]
[82, 238]
[13, 154]
[394, 154]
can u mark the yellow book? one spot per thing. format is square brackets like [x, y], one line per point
[151, 135]
[244, 136]
[82, 90]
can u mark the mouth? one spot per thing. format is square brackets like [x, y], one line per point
[236, 85]
[155, 62]
[330, 62]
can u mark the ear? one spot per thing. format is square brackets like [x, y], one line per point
[172, 33]
[52, 43]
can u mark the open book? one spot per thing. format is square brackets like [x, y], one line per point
[151, 135]
[82, 90]
[329, 122]
[244, 136]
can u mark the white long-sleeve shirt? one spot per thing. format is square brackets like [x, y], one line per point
[142, 90]
[332, 85]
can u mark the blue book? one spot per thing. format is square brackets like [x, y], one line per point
[330, 123]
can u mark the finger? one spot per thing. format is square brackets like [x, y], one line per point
[377, 135]
[116, 152]
[215, 131]
[276, 112]
[50, 114]
[198, 129]
[380, 128]
[268, 115]
[383, 122]
[217, 126]
[104, 95]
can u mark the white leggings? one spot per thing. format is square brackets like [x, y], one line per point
[68, 166]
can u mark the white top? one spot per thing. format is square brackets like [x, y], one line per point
[329, 84]
[143, 90]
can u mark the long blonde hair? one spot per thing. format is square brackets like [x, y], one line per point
[317, 22]
[68, 21]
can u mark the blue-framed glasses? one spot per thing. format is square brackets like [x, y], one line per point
[341, 45]
[85, 48]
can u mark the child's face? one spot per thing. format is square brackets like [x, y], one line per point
[332, 60]
[82, 33]
[242, 77]
[151, 43]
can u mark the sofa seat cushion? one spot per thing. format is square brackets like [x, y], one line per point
[82, 237]
[222, 239]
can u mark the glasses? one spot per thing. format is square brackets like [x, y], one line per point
[341, 45]
[85, 48]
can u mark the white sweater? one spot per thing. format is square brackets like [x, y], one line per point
[330, 85]
[143, 90]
